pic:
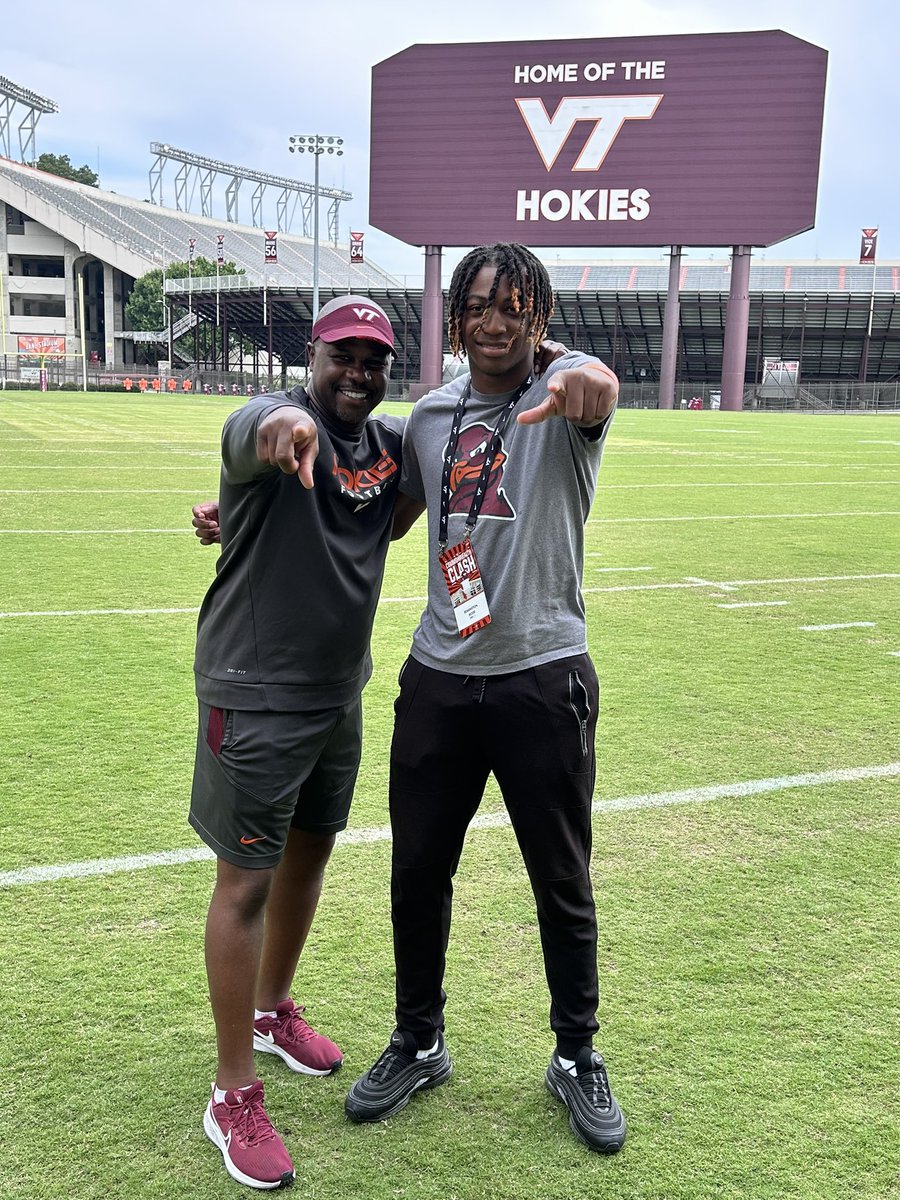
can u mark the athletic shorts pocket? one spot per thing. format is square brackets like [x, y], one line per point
[219, 729]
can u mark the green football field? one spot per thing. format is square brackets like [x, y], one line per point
[742, 582]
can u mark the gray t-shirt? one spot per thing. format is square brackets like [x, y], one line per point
[286, 624]
[529, 539]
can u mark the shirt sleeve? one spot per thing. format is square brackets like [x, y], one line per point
[240, 463]
[411, 482]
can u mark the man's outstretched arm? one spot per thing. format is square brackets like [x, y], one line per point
[584, 395]
[287, 438]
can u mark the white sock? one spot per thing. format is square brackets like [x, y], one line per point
[567, 1064]
[257, 1015]
[428, 1053]
[219, 1093]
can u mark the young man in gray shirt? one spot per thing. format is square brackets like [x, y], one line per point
[499, 679]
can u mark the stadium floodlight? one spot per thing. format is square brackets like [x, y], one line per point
[27, 97]
[12, 94]
[316, 144]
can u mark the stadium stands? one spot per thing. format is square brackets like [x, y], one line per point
[814, 312]
[160, 235]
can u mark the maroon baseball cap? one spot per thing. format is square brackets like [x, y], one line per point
[353, 317]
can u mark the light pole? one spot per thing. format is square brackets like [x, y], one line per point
[315, 144]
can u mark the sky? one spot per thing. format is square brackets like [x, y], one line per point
[234, 81]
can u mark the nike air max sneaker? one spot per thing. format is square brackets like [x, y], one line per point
[290, 1037]
[395, 1078]
[594, 1115]
[253, 1152]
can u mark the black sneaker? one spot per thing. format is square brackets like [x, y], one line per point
[392, 1082]
[594, 1115]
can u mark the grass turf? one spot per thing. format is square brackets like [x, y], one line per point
[748, 946]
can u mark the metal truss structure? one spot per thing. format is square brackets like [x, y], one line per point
[198, 170]
[11, 94]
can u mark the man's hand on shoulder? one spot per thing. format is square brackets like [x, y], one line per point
[288, 439]
[584, 395]
[206, 523]
[545, 353]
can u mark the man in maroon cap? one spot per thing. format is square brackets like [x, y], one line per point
[306, 503]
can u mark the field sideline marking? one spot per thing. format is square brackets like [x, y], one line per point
[721, 587]
[91, 532]
[601, 570]
[93, 467]
[621, 587]
[498, 820]
[737, 517]
[734, 583]
[611, 487]
[134, 469]
[753, 604]
[841, 625]
[592, 521]
[101, 612]
[172, 449]
[118, 491]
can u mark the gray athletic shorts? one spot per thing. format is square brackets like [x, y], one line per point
[259, 774]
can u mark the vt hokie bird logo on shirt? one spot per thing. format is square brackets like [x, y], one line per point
[470, 451]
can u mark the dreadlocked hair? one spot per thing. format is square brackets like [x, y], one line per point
[529, 284]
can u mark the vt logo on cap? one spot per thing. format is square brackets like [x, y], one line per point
[353, 317]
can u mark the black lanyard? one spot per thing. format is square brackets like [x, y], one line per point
[490, 455]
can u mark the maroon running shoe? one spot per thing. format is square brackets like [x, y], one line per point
[294, 1040]
[254, 1154]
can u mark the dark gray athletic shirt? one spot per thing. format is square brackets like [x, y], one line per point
[286, 624]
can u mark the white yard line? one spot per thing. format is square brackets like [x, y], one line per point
[655, 587]
[56, 468]
[601, 570]
[613, 487]
[753, 604]
[171, 450]
[499, 820]
[710, 463]
[720, 587]
[610, 487]
[592, 521]
[100, 612]
[840, 625]
[99, 491]
[89, 532]
[622, 587]
[741, 517]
